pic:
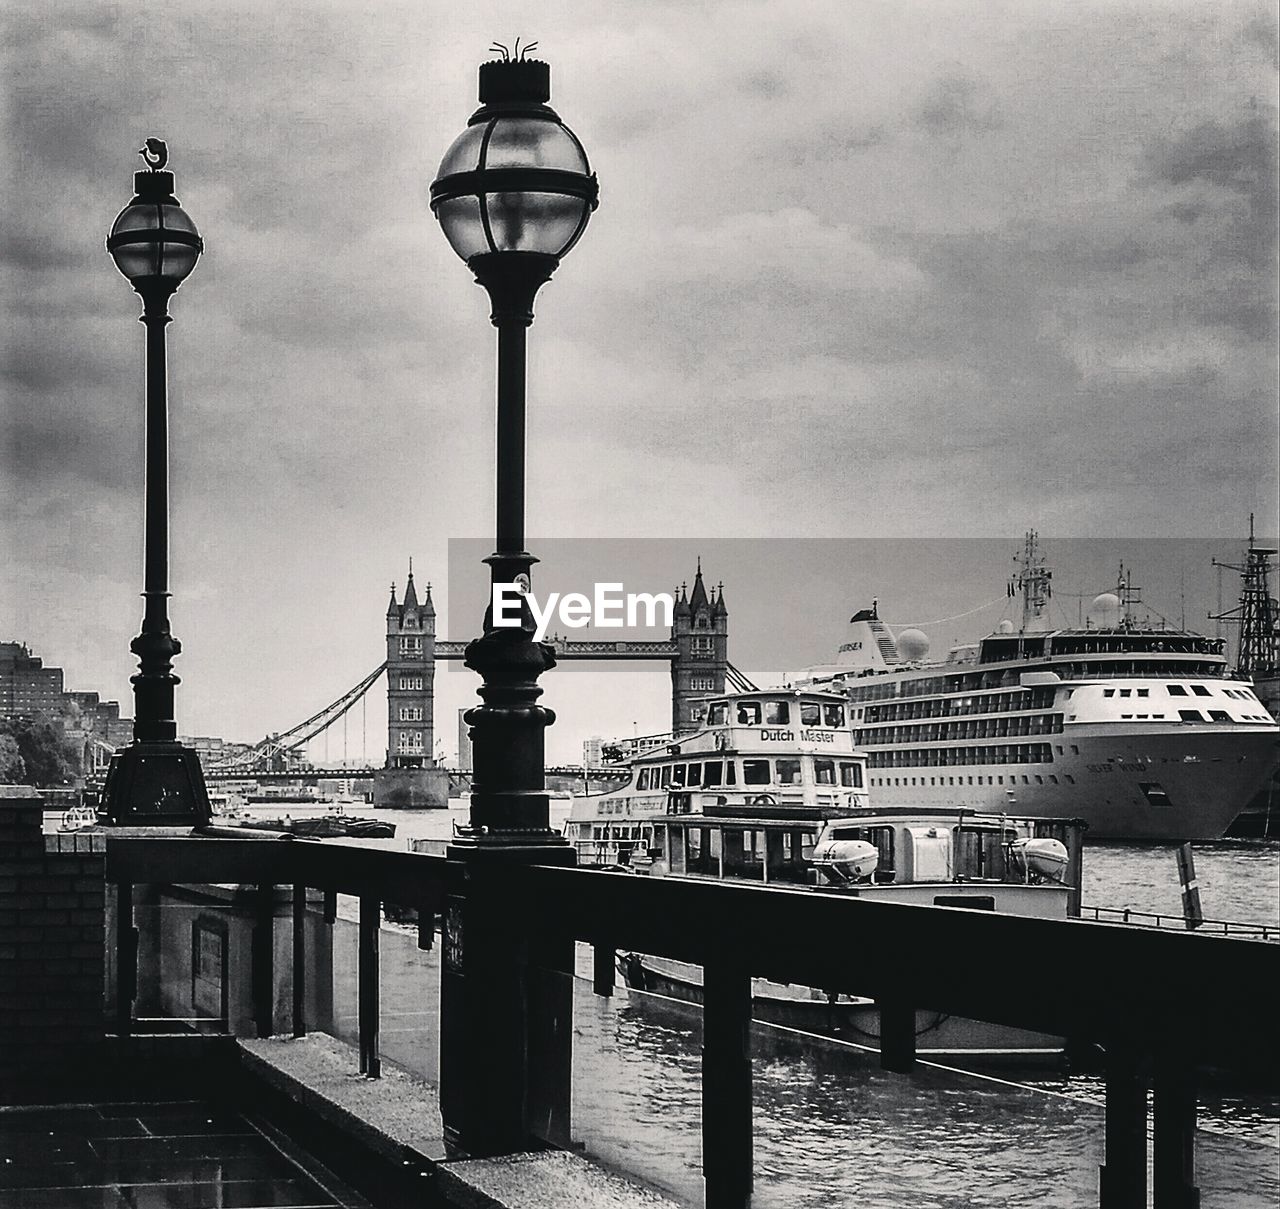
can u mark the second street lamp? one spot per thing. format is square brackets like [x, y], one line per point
[156, 779]
[513, 195]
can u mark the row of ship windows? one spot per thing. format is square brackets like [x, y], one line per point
[943, 757]
[882, 688]
[979, 728]
[997, 780]
[710, 774]
[776, 713]
[1040, 697]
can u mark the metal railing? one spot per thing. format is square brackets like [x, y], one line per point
[1161, 1005]
[1177, 921]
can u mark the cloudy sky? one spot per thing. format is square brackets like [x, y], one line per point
[859, 270]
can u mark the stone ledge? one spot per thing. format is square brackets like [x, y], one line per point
[398, 1118]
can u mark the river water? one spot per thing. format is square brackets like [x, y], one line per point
[832, 1129]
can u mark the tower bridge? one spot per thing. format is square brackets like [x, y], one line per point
[697, 652]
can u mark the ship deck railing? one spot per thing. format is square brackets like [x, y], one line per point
[1150, 919]
[509, 936]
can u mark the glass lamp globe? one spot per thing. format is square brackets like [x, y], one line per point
[516, 180]
[153, 240]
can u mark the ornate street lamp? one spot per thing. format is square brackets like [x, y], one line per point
[513, 195]
[155, 780]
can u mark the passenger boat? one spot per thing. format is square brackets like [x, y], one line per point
[772, 791]
[1139, 729]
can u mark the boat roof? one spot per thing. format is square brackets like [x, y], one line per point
[760, 694]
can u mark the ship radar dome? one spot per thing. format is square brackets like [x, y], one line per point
[1005, 627]
[913, 645]
[1105, 603]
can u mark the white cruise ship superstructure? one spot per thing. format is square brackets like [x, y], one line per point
[1138, 730]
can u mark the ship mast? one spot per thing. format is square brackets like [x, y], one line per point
[1257, 614]
[1034, 581]
[1129, 596]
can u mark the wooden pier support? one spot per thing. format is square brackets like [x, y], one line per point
[1173, 1123]
[1122, 1179]
[897, 1036]
[727, 1156]
[299, 971]
[603, 969]
[367, 986]
[262, 959]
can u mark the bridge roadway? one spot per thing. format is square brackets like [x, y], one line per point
[310, 776]
[566, 648]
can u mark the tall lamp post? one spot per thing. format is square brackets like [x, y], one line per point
[513, 194]
[155, 780]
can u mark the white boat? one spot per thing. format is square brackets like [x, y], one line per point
[771, 790]
[1138, 729]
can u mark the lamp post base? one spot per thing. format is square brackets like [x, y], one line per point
[155, 784]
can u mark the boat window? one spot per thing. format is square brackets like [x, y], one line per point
[643, 782]
[1144, 692]
[788, 772]
[1219, 715]
[833, 716]
[666, 776]
[824, 772]
[979, 853]
[718, 713]
[677, 776]
[695, 775]
[712, 772]
[749, 713]
[810, 713]
[777, 713]
[850, 775]
[1175, 690]
[1190, 715]
[755, 772]
[1200, 690]
[730, 773]
[660, 842]
[1108, 692]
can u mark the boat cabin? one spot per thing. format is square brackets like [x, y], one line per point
[757, 754]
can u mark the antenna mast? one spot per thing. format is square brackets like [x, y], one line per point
[1257, 614]
[1034, 581]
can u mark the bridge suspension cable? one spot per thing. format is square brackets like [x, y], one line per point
[274, 746]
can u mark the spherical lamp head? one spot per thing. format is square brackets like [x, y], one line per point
[514, 191]
[153, 240]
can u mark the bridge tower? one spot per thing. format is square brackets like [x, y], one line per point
[700, 630]
[411, 670]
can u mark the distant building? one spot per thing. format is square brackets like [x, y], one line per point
[591, 752]
[411, 670]
[464, 742]
[700, 627]
[28, 688]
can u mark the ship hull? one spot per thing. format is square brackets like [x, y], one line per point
[940, 1037]
[1125, 783]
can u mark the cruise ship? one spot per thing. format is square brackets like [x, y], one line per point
[1139, 730]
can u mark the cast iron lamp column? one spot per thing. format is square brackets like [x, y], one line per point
[513, 195]
[155, 779]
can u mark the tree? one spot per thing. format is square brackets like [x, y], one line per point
[47, 756]
[12, 767]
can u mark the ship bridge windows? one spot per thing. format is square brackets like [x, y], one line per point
[718, 713]
[749, 713]
[777, 713]
[1175, 690]
[850, 774]
[788, 771]
[1200, 690]
[824, 772]
[755, 772]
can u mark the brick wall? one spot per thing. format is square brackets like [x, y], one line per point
[52, 919]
